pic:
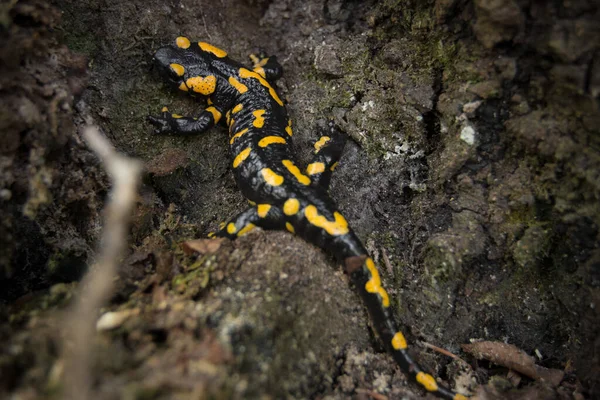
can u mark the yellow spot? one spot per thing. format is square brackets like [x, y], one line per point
[182, 42]
[337, 227]
[427, 381]
[321, 142]
[459, 396]
[259, 62]
[254, 58]
[252, 203]
[230, 122]
[178, 69]
[237, 109]
[263, 210]
[176, 116]
[259, 120]
[399, 342]
[209, 101]
[315, 168]
[231, 229]
[333, 166]
[291, 206]
[202, 85]
[221, 225]
[211, 234]
[209, 48]
[215, 113]
[183, 87]
[246, 229]
[241, 157]
[290, 227]
[246, 73]
[264, 142]
[260, 71]
[374, 284]
[237, 135]
[240, 87]
[303, 179]
[164, 109]
[288, 128]
[271, 177]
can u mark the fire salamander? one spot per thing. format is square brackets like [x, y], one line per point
[282, 195]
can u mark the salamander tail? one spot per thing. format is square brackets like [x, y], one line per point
[366, 279]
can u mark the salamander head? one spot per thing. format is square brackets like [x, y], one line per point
[186, 66]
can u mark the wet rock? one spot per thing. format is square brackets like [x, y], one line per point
[446, 252]
[535, 130]
[528, 250]
[267, 313]
[459, 148]
[338, 10]
[519, 105]
[395, 53]
[419, 94]
[486, 89]
[570, 39]
[470, 108]
[471, 196]
[570, 77]
[327, 61]
[451, 104]
[497, 21]
[506, 67]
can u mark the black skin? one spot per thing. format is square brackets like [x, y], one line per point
[310, 190]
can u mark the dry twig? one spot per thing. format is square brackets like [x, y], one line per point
[96, 286]
[442, 351]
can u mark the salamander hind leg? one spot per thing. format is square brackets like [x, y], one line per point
[268, 67]
[265, 216]
[168, 123]
[328, 150]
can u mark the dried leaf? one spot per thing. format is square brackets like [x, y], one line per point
[512, 357]
[202, 246]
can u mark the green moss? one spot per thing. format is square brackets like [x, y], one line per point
[195, 277]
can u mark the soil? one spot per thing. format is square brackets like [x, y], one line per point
[472, 175]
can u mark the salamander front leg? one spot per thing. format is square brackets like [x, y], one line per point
[168, 123]
[328, 150]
